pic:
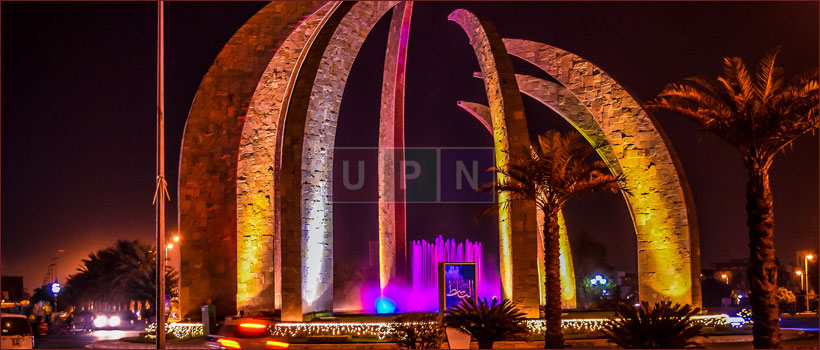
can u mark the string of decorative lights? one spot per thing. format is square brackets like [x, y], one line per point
[382, 330]
[179, 330]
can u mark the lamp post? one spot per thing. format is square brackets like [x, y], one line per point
[725, 278]
[808, 257]
[800, 273]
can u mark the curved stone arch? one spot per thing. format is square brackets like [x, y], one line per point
[208, 192]
[317, 138]
[658, 203]
[568, 298]
[257, 198]
[518, 252]
[392, 206]
[207, 186]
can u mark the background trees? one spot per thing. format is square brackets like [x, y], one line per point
[113, 277]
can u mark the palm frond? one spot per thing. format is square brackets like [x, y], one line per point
[662, 326]
[769, 77]
[759, 116]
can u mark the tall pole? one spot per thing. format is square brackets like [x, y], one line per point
[806, 280]
[806, 274]
[161, 189]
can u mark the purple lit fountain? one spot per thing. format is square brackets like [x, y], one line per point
[426, 256]
[420, 293]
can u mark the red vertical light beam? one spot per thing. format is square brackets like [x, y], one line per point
[401, 197]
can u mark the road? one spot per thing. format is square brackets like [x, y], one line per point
[81, 339]
[808, 341]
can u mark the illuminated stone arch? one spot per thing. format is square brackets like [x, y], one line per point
[277, 85]
[661, 205]
[566, 269]
[209, 154]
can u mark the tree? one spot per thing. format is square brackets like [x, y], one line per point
[487, 323]
[118, 275]
[557, 169]
[786, 300]
[759, 115]
[664, 326]
[589, 257]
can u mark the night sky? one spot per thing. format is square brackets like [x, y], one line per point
[78, 97]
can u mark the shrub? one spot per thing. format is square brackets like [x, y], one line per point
[664, 326]
[745, 313]
[486, 322]
[786, 300]
[418, 330]
[785, 296]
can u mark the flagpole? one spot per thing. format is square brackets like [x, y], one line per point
[161, 189]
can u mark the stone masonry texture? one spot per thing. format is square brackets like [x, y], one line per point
[207, 183]
[517, 221]
[568, 300]
[658, 200]
[259, 263]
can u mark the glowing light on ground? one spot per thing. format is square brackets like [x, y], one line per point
[108, 335]
[180, 330]
[385, 306]
[384, 330]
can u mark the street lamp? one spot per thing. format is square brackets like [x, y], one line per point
[176, 239]
[800, 273]
[725, 278]
[598, 280]
[55, 289]
[809, 257]
[169, 246]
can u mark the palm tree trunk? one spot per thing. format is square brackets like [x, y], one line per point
[554, 338]
[762, 267]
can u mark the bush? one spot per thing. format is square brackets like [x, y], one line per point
[487, 323]
[664, 326]
[418, 330]
[786, 300]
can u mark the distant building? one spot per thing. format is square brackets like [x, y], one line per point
[12, 288]
[734, 273]
[627, 284]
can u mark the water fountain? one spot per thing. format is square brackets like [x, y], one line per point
[424, 258]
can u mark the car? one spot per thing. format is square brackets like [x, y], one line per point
[107, 320]
[245, 333]
[16, 332]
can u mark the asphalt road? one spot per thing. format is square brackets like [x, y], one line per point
[81, 339]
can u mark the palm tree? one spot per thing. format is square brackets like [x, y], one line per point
[118, 275]
[487, 322]
[760, 115]
[664, 326]
[558, 169]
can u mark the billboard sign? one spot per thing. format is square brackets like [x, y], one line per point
[456, 281]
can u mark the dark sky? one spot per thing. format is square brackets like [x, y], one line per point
[78, 91]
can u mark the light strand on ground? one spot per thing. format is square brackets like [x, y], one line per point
[383, 330]
[179, 330]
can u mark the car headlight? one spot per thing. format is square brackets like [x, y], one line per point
[100, 321]
[113, 321]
